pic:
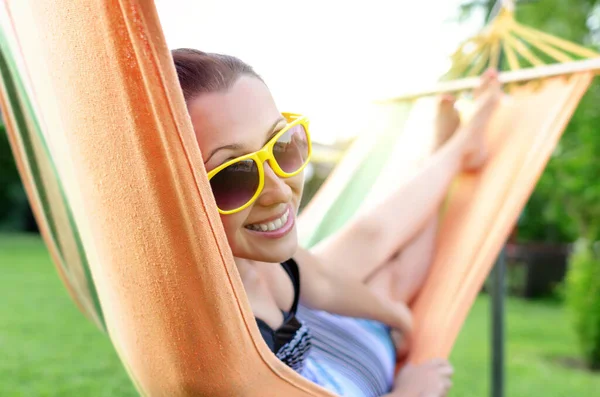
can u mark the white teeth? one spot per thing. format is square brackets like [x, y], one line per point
[271, 226]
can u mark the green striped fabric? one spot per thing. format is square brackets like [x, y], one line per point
[42, 181]
[381, 146]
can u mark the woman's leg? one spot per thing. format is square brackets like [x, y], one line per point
[403, 274]
[400, 276]
[368, 242]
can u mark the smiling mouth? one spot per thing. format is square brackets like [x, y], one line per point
[271, 226]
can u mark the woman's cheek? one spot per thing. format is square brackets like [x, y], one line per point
[297, 185]
[234, 223]
[231, 223]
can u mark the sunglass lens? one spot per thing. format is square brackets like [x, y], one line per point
[235, 185]
[291, 149]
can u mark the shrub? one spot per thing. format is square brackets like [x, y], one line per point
[582, 294]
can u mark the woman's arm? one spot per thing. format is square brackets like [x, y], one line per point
[322, 288]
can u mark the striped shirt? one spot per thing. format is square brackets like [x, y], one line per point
[350, 357]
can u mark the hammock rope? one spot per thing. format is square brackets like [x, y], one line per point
[520, 44]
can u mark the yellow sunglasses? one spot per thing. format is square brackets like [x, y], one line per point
[238, 182]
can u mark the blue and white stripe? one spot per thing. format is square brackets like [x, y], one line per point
[349, 356]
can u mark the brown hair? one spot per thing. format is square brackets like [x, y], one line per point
[200, 72]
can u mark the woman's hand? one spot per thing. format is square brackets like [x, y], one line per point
[430, 379]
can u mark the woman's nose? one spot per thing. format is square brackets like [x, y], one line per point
[276, 190]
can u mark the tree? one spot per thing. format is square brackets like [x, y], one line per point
[566, 201]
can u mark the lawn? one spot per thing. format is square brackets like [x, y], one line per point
[49, 349]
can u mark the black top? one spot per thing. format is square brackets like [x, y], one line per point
[291, 341]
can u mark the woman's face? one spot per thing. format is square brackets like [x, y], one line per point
[235, 122]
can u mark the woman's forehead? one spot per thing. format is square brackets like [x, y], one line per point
[239, 115]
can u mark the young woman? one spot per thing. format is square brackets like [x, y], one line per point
[254, 156]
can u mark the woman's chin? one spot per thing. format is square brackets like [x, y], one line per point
[269, 250]
[270, 257]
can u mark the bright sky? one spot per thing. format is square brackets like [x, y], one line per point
[324, 58]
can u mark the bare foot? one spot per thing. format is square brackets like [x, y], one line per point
[430, 379]
[487, 97]
[447, 120]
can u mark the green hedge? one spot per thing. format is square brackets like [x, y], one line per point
[583, 298]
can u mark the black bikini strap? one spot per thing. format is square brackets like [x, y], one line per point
[291, 268]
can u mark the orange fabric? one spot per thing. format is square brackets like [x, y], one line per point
[107, 98]
[480, 210]
[106, 95]
[484, 207]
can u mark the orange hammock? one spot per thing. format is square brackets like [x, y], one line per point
[105, 148]
[485, 206]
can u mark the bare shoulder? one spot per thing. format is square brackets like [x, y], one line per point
[307, 259]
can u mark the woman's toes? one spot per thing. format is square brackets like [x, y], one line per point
[447, 120]
[487, 79]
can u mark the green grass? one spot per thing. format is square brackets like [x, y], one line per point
[47, 348]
